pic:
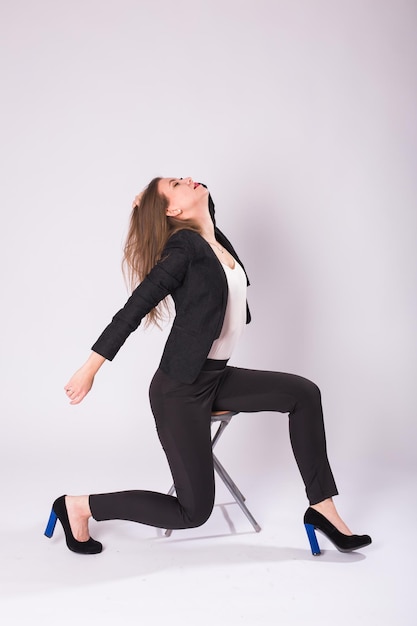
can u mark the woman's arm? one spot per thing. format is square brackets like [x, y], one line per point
[167, 275]
[81, 382]
[161, 281]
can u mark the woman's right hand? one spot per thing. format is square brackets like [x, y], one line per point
[79, 385]
[81, 382]
[136, 201]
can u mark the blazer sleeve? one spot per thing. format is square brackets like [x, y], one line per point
[161, 281]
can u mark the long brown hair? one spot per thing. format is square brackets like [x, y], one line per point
[149, 230]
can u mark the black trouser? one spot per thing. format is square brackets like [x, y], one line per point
[182, 414]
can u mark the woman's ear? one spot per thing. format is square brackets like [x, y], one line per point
[173, 212]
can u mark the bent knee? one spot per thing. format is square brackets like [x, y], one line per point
[313, 389]
[198, 517]
[309, 392]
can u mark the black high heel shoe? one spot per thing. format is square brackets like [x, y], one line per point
[313, 520]
[59, 511]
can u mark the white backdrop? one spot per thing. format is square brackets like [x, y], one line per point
[300, 116]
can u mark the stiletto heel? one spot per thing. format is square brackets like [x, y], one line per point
[312, 537]
[313, 520]
[59, 511]
[50, 527]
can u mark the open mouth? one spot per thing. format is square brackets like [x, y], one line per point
[196, 185]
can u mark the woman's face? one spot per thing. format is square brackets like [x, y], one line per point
[185, 197]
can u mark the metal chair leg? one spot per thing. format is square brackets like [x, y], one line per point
[224, 475]
[235, 493]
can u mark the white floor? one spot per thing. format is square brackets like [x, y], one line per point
[221, 573]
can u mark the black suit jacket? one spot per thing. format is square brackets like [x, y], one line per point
[191, 272]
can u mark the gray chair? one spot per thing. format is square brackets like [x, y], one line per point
[223, 418]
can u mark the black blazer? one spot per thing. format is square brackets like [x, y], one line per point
[191, 272]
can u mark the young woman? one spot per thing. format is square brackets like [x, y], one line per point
[174, 248]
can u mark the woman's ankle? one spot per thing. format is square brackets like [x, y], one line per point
[79, 506]
[327, 508]
[78, 510]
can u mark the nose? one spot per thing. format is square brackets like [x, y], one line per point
[188, 180]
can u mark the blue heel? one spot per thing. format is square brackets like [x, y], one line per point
[314, 544]
[50, 527]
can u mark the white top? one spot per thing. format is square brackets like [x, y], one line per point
[235, 316]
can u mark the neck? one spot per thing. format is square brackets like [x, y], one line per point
[203, 219]
[207, 228]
